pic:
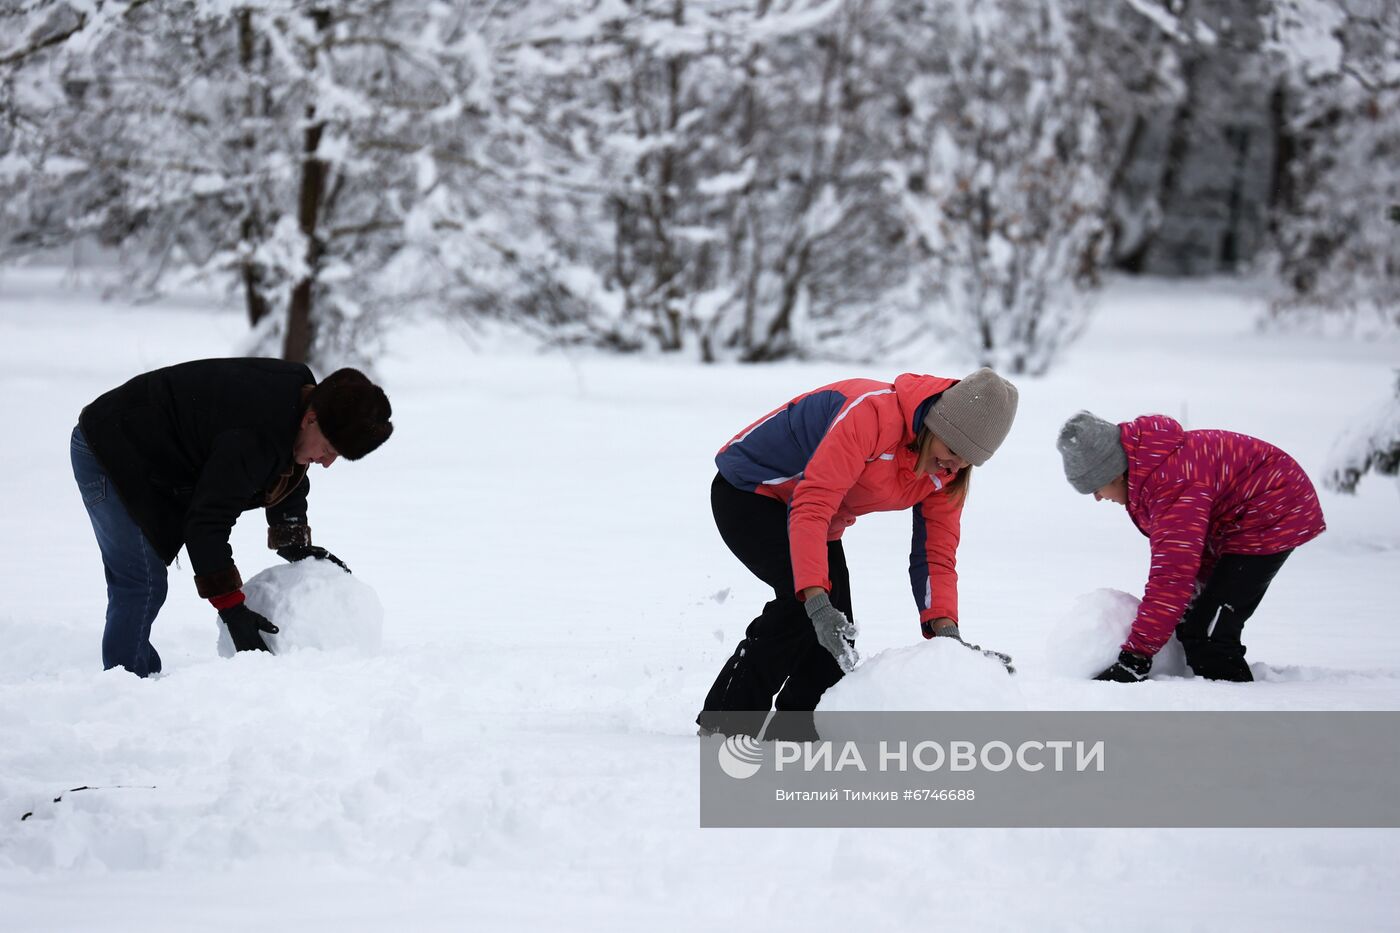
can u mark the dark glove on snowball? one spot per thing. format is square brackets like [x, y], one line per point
[245, 627]
[835, 632]
[295, 552]
[1128, 669]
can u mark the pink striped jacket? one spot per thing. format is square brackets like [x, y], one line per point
[1199, 494]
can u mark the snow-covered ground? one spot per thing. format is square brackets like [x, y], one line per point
[520, 753]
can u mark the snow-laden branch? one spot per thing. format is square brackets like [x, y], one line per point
[97, 17]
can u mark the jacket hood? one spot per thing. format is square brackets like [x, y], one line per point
[913, 391]
[1148, 441]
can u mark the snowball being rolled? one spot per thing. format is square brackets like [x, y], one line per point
[316, 605]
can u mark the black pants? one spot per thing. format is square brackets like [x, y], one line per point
[779, 654]
[1211, 628]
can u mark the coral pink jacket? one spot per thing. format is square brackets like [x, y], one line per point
[841, 451]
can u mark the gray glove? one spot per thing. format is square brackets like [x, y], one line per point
[951, 631]
[835, 632]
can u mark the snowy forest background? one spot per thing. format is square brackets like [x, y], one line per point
[742, 180]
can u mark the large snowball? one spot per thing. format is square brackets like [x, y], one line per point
[935, 674]
[1088, 638]
[316, 605]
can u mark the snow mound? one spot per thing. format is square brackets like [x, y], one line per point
[1087, 639]
[316, 605]
[936, 674]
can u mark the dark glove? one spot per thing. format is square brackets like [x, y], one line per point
[1128, 669]
[295, 552]
[951, 631]
[245, 627]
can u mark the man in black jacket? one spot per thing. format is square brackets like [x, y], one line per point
[174, 456]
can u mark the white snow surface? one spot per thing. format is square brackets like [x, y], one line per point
[520, 754]
[315, 605]
[935, 674]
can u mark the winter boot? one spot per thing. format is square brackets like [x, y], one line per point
[1215, 660]
[792, 726]
[730, 722]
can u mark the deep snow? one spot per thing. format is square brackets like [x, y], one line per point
[519, 755]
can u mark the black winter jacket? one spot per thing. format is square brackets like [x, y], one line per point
[191, 447]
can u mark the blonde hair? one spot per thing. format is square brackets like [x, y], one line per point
[959, 486]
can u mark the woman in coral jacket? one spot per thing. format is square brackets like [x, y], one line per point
[792, 482]
[1222, 512]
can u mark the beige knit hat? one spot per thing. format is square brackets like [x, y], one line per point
[974, 416]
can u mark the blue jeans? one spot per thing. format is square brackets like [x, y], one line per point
[136, 584]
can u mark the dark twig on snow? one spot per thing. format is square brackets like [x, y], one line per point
[74, 790]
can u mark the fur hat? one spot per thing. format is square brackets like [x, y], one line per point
[1092, 449]
[352, 411]
[974, 416]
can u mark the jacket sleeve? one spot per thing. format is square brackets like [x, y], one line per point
[286, 521]
[933, 556]
[1180, 522]
[833, 469]
[229, 481]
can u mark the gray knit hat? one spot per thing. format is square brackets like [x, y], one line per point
[974, 416]
[1092, 449]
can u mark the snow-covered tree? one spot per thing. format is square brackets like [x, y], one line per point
[1138, 85]
[728, 200]
[1372, 443]
[1338, 256]
[732, 179]
[1002, 178]
[327, 158]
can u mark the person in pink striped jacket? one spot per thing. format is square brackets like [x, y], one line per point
[1222, 512]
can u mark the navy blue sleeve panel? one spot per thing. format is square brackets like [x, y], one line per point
[836, 465]
[918, 561]
[933, 570]
[777, 449]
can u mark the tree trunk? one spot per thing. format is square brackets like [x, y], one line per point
[1281, 194]
[254, 297]
[1122, 254]
[1178, 148]
[252, 230]
[668, 270]
[1230, 248]
[301, 330]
